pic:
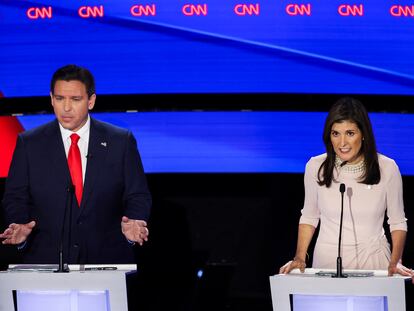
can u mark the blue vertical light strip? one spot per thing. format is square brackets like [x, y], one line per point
[243, 142]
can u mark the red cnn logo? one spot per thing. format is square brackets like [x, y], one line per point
[91, 11]
[143, 10]
[194, 9]
[402, 10]
[298, 9]
[36, 13]
[247, 9]
[354, 10]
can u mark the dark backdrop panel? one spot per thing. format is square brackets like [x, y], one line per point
[216, 238]
[214, 102]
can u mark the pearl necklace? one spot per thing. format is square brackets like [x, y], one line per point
[350, 168]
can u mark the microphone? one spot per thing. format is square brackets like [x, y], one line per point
[343, 164]
[70, 189]
[339, 273]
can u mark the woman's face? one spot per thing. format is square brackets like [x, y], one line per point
[346, 139]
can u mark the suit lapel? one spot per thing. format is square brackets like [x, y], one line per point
[97, 151]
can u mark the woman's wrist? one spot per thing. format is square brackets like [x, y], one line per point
[299, 259]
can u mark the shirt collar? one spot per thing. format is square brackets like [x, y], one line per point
[81, 132]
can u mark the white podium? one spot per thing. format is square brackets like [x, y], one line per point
[89, 288]
[307, 291]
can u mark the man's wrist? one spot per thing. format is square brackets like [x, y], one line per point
[132, 243]
[21, 245]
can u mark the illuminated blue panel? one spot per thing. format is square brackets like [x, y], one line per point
[63, 300]
[246, 142]
[339, 303]
[212, 46]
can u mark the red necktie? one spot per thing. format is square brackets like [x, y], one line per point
[75, 166]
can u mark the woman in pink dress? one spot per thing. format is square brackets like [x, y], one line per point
[373, 188]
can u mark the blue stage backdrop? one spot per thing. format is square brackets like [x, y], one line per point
[212, 46]
[244, 142]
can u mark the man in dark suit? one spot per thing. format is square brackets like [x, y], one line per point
[76, 180]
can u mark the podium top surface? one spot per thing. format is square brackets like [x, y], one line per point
[89, 267]
[313, 272]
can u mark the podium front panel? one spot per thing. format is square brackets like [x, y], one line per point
[70, 300]
[338, 303]
[386, 293]
[105, 288]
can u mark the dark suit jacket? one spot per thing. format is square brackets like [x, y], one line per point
[38, 188]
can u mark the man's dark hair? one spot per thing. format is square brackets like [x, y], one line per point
[74, 73]
[350, 109]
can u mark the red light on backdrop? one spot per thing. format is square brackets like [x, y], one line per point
[9, 128]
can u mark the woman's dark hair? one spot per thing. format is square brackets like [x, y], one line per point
[74, 73]
[350, 109]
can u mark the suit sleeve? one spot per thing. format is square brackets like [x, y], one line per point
[136, 198]
[16, 200]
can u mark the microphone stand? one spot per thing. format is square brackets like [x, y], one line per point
[63, 267]
[339, 273]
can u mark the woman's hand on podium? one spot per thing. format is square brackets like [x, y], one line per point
[398, 268]
[296, 263]
[17, 233]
